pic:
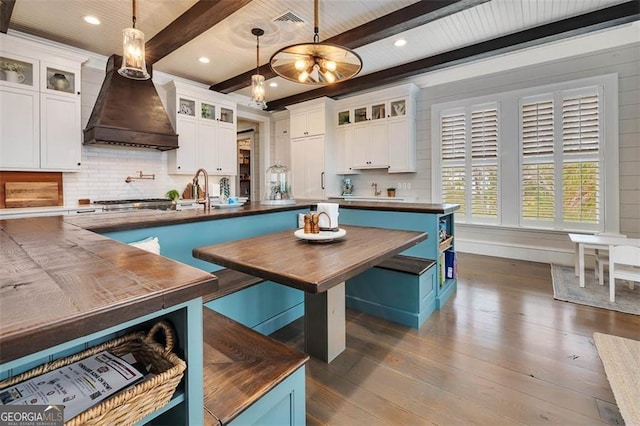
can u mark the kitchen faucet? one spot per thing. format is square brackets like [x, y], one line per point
[206, 201]
[375, 189]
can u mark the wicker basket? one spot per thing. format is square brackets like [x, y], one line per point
[142, 399]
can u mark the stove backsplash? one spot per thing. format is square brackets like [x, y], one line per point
[104, 170]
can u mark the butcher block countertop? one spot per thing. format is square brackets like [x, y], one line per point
[135, 219]
[59, 282]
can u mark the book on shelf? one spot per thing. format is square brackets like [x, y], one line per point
[450, 264]
[442, 229]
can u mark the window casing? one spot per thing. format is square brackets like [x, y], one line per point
[469, 159]
[533, 158]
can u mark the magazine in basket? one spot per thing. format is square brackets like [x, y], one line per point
[77, 386]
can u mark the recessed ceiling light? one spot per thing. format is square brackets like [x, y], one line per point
[400, 42]
[273, 84]
[204, 60]
[91, 20]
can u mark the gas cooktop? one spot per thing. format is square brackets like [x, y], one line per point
[140, 203]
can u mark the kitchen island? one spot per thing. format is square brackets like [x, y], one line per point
[131, 289]
[64, 289]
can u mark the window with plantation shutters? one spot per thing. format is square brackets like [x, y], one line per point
[532, 157]
[469, 161]
[453, 172]
[537, 174]
[581, 158]
[561, 155]
[484, 163]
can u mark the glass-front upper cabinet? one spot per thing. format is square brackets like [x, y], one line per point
[19, 71]
[344, 117]
[360, 114]
[227, 115]
[59, 80]
[378, 111]
[398, 108]
[187, 107]
[207, 111]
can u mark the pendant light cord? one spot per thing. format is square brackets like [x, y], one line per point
[257, 54]
[133, 12]
[316, 37]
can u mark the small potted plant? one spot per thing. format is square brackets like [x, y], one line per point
[391, 192]
[173, 195]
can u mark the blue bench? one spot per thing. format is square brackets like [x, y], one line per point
[401, 289]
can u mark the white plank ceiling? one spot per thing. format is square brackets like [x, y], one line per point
[231, 47]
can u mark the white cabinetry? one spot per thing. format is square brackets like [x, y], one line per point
[308, 122]
[370, 145]
[205, 122]
[382, 126]
[308, 173]
[344, 151]
[40, 126]
[282, 148]
[313, 166]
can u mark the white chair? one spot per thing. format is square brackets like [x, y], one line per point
[601, 260]
[624, 263]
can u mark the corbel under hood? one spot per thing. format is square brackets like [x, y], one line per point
[129, 113]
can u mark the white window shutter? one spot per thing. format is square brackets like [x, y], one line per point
[453, 148]
[537, 172]
[581, 158]
[484, 163]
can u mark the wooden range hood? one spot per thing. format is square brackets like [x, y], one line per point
[129, 113]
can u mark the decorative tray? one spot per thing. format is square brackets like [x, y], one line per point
[226, 206]
[322, 237]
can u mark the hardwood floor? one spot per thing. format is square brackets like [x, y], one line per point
[502, 351]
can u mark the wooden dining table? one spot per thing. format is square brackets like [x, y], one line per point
[320, 269]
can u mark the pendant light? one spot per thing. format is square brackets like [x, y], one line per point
[316, 63]
[133, 62]
[257, 80]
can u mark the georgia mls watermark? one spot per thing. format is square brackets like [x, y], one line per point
[31, 415]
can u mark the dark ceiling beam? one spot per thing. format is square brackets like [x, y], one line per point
[6, 9]
[604, 18]
[199, 18]
[401, 20]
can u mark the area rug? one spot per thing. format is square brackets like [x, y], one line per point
[621, 360]
[566, 287]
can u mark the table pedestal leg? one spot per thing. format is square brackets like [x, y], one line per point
[324, 323]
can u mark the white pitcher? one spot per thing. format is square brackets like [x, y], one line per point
[13, 76]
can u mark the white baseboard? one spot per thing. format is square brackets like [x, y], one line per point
[516, 251]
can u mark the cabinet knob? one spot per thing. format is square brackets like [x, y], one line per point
[78, 93]
[178, 167]
[78, 164]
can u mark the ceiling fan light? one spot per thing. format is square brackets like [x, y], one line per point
[303, 76]
[329, 65]
[133, 60]
[329, 76]
[293, 62]
[301, 64]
